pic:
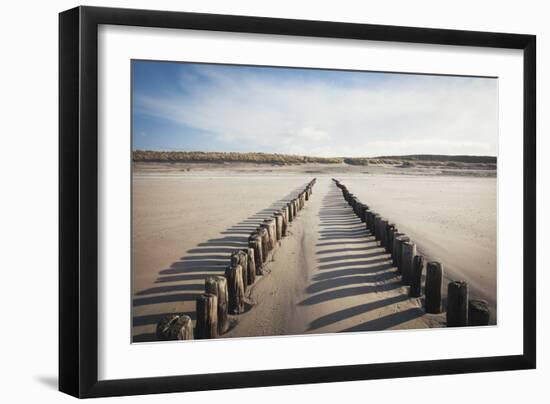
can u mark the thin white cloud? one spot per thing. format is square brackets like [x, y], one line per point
[405, 115]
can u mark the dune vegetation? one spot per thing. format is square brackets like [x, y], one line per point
[230, 157]
[421, 160]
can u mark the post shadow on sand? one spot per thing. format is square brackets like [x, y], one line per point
[385, 322]
[206, 259]
[351, 271]
[340, 315]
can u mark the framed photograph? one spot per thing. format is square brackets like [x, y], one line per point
[250, 201]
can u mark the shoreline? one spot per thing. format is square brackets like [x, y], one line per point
[328, 169]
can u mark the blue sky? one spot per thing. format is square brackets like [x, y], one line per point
[207, 107]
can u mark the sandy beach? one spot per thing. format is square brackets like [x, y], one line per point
[329, 275]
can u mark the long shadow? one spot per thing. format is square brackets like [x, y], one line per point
[205, 259]
[343, 250]
[171, 288]
[391, 320]
[331, 243]
[353, 271]
[347, 257]
[350, 262]
[363, 264]
[331, 234]
[347, 292]
[334, 223]
[327, 284]
[154, 318]
[179, 297]
[354, 311]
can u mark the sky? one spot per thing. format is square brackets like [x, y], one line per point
[208, 107]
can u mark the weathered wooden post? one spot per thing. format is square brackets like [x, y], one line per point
[239, 257]
[163, 327]
[416, 276]
[217, 285]
[478, 312]
[255, 242]
[364, 211]
[367, 214]
[434, 277]
[290, 214]
[370, 221]
[378, 227]
[207, 316]
[284, 212]
[182, 329]
[407, 256]
[359, 210]
[377, 218]
[243, 261]
[399, 252]
[264, 234]
[457, 304]
[270, 243]
[396, 252]
[271, 226]
[235, 288]
[390, 230]
[279, 225]
[251, 266]
[356, 204]
[373, 222]
[383, 235]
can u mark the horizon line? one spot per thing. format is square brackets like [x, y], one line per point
[315, 156]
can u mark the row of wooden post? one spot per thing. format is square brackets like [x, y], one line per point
[461, 311]
[224, 295]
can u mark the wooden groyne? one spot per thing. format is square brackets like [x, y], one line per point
[225, 295]
[460, 310]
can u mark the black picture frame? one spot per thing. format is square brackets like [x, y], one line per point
[78, 200]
